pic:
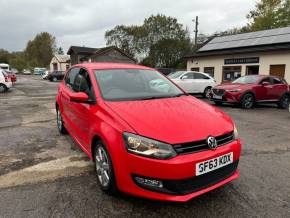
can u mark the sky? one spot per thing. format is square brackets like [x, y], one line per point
[84, 22]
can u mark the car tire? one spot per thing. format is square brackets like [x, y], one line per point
[206, 93]
[104, 169]
[284, 101]
[54, 79]
[3, 88]
[62, 130]
[248, 101]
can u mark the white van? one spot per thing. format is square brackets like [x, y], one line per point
[5, 82]
[4, 66]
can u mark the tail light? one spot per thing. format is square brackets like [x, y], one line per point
[6, 78]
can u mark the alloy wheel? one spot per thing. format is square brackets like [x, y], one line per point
[286, 101]
[102, 166]
[249, 101]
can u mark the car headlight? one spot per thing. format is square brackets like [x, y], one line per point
[236, 134]
[148, 147]
[233, 90]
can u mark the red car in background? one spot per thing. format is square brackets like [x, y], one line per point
[11, 75]
[146, 136]
[249, 90]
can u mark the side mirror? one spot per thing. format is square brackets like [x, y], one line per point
[265, 83]
[184, 77]
[79, 97]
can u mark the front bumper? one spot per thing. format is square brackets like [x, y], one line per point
[232, 98]
[177, 174]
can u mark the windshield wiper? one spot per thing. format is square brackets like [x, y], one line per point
[159, 97]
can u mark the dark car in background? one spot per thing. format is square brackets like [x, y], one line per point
[55, 76]
[249, 90]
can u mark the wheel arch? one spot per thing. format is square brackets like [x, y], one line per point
[248, 92]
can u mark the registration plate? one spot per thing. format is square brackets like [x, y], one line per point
[217, 96]
[213, 164]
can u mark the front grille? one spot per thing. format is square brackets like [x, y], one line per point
[219, 92]
[194, 184]
[197, 146]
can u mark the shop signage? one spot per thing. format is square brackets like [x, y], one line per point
[251, 60]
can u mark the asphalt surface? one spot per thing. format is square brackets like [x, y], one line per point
[44, 174]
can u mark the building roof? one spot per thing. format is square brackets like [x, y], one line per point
[62, 58]
[111, 65]
[274, 39]
[81, 50]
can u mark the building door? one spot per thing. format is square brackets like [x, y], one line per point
[277, 70]
[54, 66]
[252, 70]
[195, 69]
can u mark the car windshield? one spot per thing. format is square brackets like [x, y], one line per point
[175, 75]
[247, 80]
[134, 84]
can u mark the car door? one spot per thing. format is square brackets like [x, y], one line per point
[185, 82]
[83, 116]
[279, 88]
[199, 83]
[67, 108]
[264, 92]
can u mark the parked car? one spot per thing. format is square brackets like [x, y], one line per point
[55, 76]
[14, 70]
[26, 72]
[5, 82]
[45, 74]
[39, 71]
[151, 142]
[249, 90]
[194, 82]
[11, 75]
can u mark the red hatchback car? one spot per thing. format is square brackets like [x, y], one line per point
[146, 136]
[249, 90]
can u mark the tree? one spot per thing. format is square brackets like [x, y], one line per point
[265, 15]
[40, 50]
[4, 56]
[60, 51]
[284, 14]
[160, 41]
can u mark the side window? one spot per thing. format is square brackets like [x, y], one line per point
[200, 76]
[266, 80]
[70, 77]
[187, 76]
[277, 81]
[85, 84]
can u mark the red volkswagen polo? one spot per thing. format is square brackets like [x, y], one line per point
[146, 136]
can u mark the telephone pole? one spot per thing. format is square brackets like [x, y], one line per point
[196, 29]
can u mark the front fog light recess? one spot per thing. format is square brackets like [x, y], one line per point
[148, 182]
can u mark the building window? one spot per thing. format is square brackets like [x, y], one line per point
[209, 71]
[231, 73]
[196, 69]
[252, 70]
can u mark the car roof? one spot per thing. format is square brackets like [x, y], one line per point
[110, 65]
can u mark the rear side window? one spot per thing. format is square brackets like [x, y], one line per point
[277, 81]
[188, 76]
[266, 80]
[70, 77]
[200, 76]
